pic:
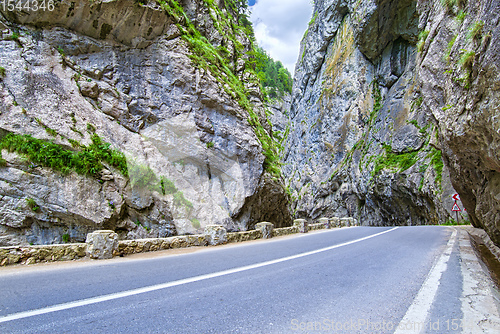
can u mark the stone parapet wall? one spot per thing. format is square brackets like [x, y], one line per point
[66, 252]
[126, 247]
[317, 226]
[279, 232]
[45, 253]
[244, 236]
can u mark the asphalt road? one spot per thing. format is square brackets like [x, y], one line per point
[328, 281]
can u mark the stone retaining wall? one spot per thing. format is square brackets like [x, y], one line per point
[126, 247]
[45, 253]
[278, 232]
[317, 226]
[244, 236]
[65, 252]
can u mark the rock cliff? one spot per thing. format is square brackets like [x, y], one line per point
[394, 107]
[134, 117]
[146, 118]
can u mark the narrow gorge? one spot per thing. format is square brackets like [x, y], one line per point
[149, 118]
[395, 107]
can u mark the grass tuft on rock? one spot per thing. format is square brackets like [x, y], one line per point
[437, 164]
[32, 204]
[46, 153]
[167, 186]
[196, 223]
[467, 59]
[451, 43]
[461, 16]
[449, 4]
[475, 30]
[422, 37]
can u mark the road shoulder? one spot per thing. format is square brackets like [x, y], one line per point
[480, 295]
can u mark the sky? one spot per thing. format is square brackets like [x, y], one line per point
[279, 26]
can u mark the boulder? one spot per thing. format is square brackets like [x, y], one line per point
[89, 89]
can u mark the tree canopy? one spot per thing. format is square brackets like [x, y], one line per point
[275, 78]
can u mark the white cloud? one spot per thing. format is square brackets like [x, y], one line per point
[279, 26]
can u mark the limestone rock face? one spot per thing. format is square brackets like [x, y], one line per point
[121, 69]
[460, 77]
[360, 144]
[101, 244]
[269, 203]
[393, 110]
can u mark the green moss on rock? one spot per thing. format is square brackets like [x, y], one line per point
[88, 161]
[394, 161]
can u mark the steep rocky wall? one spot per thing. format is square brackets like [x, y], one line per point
[364, 140]
[126, 72]
[459, 75]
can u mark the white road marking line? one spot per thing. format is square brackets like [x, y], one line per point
[417, 312]
[123, 294]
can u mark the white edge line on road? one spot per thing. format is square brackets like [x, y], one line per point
[417, 312]
[123, 294]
